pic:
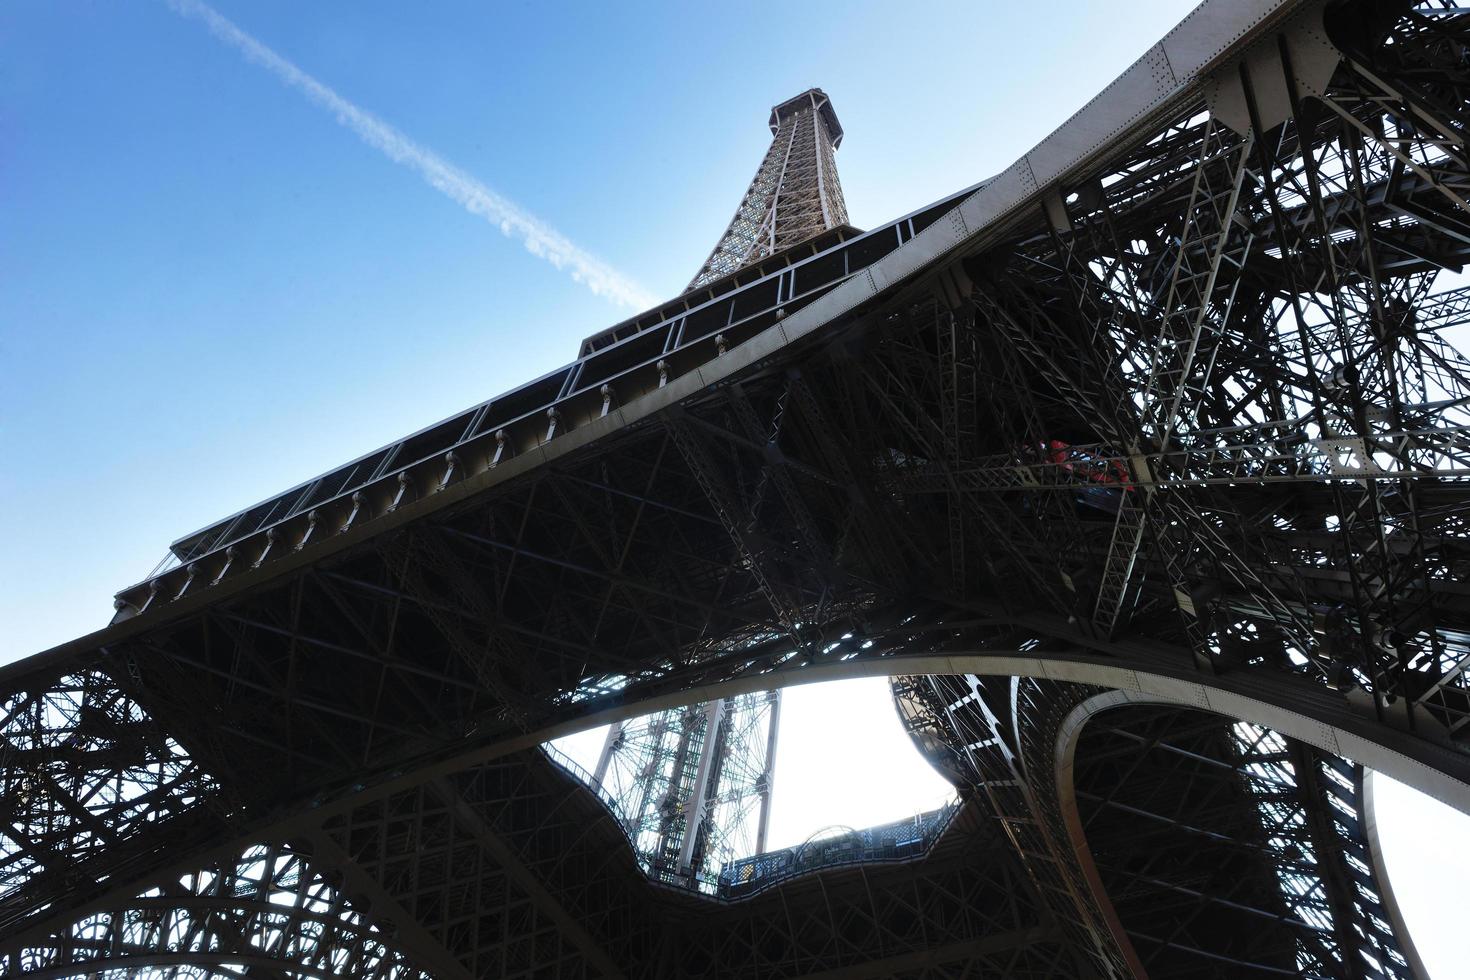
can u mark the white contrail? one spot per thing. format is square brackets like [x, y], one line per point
[540, 239]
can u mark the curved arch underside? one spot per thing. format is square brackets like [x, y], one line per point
[1164, 408]
[597, 864]
[1182, 854]
[1173, 840]
[1226, 848]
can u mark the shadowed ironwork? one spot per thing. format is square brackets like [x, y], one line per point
[1167, 411]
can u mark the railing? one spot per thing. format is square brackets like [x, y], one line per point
[559, 757]
[903, 840]
[618, 365]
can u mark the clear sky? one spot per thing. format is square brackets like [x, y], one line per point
[211, 288]
[843, 760]
[221, 274]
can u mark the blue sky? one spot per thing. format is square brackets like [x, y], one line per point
[210, 289]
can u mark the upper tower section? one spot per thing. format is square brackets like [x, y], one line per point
[795, 193]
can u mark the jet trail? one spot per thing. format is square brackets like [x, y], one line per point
[539, 238]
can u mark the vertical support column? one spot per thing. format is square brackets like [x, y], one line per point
[709, 772]
[768, 779]
[609, 746]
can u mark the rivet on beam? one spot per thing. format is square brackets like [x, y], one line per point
[405, 482]
[358, 499]
[312, 516]
[271, 537]
[231, 553]
[451, 467]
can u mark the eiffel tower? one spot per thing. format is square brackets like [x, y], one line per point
[795, 194]
[693, 785]
[1141, 468]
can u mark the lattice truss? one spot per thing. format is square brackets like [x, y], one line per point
[1197, 413]
[1311, 809]
[1290, 886]
[693, 786]
[82, 766]
[1217, 847]
[266, 910]
[1221, 379]
[966, 727]
[795, 193]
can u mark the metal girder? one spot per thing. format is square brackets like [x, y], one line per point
[567, 926]
[1227, 309]
[970, 954]
[415, 941]
[269, 910]
[1187, 840]
[964, 904]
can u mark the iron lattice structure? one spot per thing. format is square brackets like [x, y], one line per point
[1143, 465]
[1171, 840]
[795, 194]
[693, 785]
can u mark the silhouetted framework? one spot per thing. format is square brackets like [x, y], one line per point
[1144, 465]
[693, 784]
[1172, 840]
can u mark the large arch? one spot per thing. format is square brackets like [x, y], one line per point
[1385, 880]
[1069, 737]
[1333, 725]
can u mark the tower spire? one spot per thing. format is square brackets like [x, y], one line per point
[795, 193]
[693, 785]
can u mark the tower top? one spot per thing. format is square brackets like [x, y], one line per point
[817, 101]
[795, 194]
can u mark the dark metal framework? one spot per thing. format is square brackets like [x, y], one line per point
[1166, 410]
[693, 785]
[900, 840]
[1190, 844]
